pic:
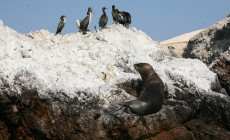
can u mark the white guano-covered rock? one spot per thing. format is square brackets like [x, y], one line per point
[76, 63]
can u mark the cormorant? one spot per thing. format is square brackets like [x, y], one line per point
[103, 19]
[115, 13]
[61, 25]
[86, 21]
[124, 18]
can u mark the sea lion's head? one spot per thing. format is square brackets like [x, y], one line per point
[144, 69]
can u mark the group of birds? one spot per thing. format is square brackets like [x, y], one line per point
[123, 18]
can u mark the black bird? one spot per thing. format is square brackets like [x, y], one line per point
[61, 25]
[86, 21]
[115, 13]
[124, 18]
[103, 19]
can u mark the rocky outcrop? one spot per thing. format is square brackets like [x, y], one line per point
[208, 46]
[210, 43]
[190, 116]
[222, 68]
[174, 47]
[74, 86]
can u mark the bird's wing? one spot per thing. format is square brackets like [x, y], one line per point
[60, 26]
[103, 20]
[78, 24]
[85, 22]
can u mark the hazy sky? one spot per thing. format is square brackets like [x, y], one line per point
[161, 20]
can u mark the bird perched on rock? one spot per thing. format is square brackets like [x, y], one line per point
[103, 19]
[86, 21]
[124, 18]
[61, 24]
[115, 13]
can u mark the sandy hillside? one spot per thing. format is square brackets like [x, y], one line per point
[178, 43]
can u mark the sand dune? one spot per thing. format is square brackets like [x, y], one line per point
[179, 43]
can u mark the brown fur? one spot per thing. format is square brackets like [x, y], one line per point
[150, 91]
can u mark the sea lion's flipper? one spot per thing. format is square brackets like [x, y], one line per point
[136, 85]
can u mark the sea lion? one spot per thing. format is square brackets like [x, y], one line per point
[150, 91]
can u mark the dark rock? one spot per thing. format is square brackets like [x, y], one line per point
[56, 119]
[4, 133]
[222, 68]
[206, 131]
[210, 43]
